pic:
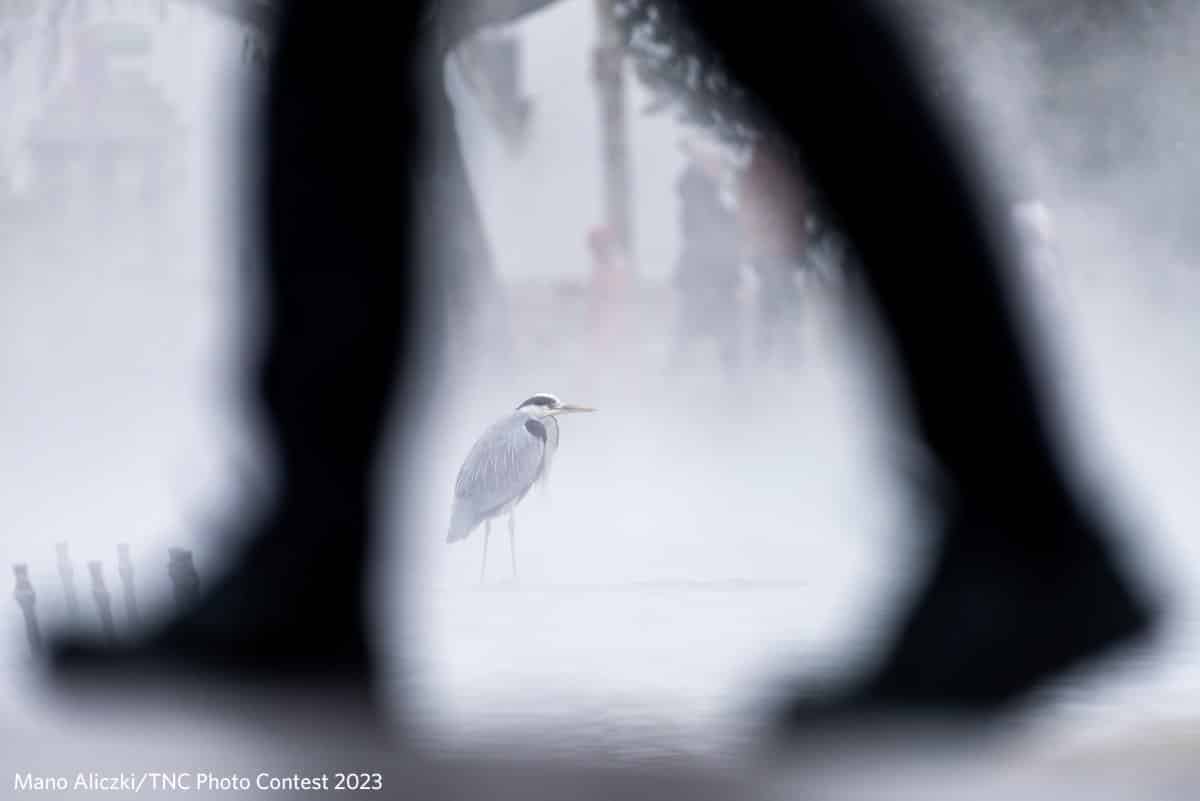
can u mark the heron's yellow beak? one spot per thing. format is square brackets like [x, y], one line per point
[568, 408]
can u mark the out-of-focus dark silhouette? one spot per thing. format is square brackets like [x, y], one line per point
[338, 294]
[1023, 582]
[708, 270]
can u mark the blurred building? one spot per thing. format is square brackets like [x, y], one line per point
[107, 140]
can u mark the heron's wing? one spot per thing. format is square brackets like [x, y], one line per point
[501, 466]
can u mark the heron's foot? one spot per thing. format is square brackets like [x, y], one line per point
[997, 617]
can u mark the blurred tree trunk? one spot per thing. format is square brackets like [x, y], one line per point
[609, 75]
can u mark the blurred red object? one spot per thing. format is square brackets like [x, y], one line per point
[772, 206]
[608, 287]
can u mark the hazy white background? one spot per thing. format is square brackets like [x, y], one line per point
[699, 537]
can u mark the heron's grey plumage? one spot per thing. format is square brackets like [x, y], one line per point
[512, 455]
[500, 469]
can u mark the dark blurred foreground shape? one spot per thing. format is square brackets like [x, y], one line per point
[1022, 584]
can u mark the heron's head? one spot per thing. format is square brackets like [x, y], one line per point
[545, 405]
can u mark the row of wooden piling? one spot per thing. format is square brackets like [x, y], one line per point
[181, 568]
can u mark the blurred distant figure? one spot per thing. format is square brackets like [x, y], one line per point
[771, 209]
[708, 271]
[608, 293]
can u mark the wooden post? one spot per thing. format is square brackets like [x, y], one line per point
[66, 572]
[609, 75]
[182, 570]
[125, 570]
[27, 599]
[103, 600]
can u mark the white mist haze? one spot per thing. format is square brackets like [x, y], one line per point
[120, 415]
[762, 528]
[701, 535]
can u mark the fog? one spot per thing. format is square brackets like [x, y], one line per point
[703, 537]
[121, 418]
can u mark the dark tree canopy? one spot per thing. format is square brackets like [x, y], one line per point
[1070, 39]
[675, 64]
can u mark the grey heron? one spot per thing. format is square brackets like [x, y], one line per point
[512, 455]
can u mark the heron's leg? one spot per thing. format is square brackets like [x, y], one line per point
[512, 540]
[487, 530]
